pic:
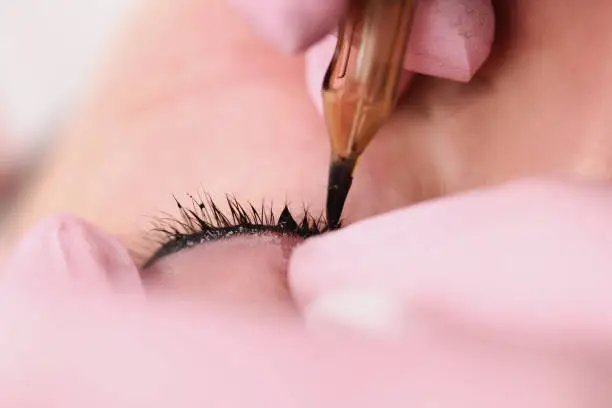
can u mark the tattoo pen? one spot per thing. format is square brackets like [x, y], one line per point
[360, 89]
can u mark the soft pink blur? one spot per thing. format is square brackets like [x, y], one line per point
[529, 262]
[113, 351]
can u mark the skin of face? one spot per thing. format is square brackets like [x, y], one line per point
[180, 108]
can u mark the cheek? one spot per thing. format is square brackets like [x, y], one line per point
[248, 273]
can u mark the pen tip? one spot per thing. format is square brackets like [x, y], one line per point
[340, 180]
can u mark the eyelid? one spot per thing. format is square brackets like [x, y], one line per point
[186, 241]
[242, 271]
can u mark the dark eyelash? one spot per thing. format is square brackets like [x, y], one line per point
[204, 221]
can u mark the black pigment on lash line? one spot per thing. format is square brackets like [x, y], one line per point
[205, 222]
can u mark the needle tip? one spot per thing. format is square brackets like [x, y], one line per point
[340, 180]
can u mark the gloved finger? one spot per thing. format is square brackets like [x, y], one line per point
[63, 254]
[528, 261]
[450, 39]
[161, 357]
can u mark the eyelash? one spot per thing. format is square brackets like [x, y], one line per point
[204, 221]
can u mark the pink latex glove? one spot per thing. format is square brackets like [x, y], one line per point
[450, 38]
[494, 299]
[528, 263]
[524, 267]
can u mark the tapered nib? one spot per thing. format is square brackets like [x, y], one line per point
[339, 184]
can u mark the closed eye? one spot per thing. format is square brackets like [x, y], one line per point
[204, 222]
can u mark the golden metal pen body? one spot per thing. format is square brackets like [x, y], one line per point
[360, 89]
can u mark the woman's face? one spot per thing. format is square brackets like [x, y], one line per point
[191, 101]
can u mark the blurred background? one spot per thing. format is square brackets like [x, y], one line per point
[48, 51]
